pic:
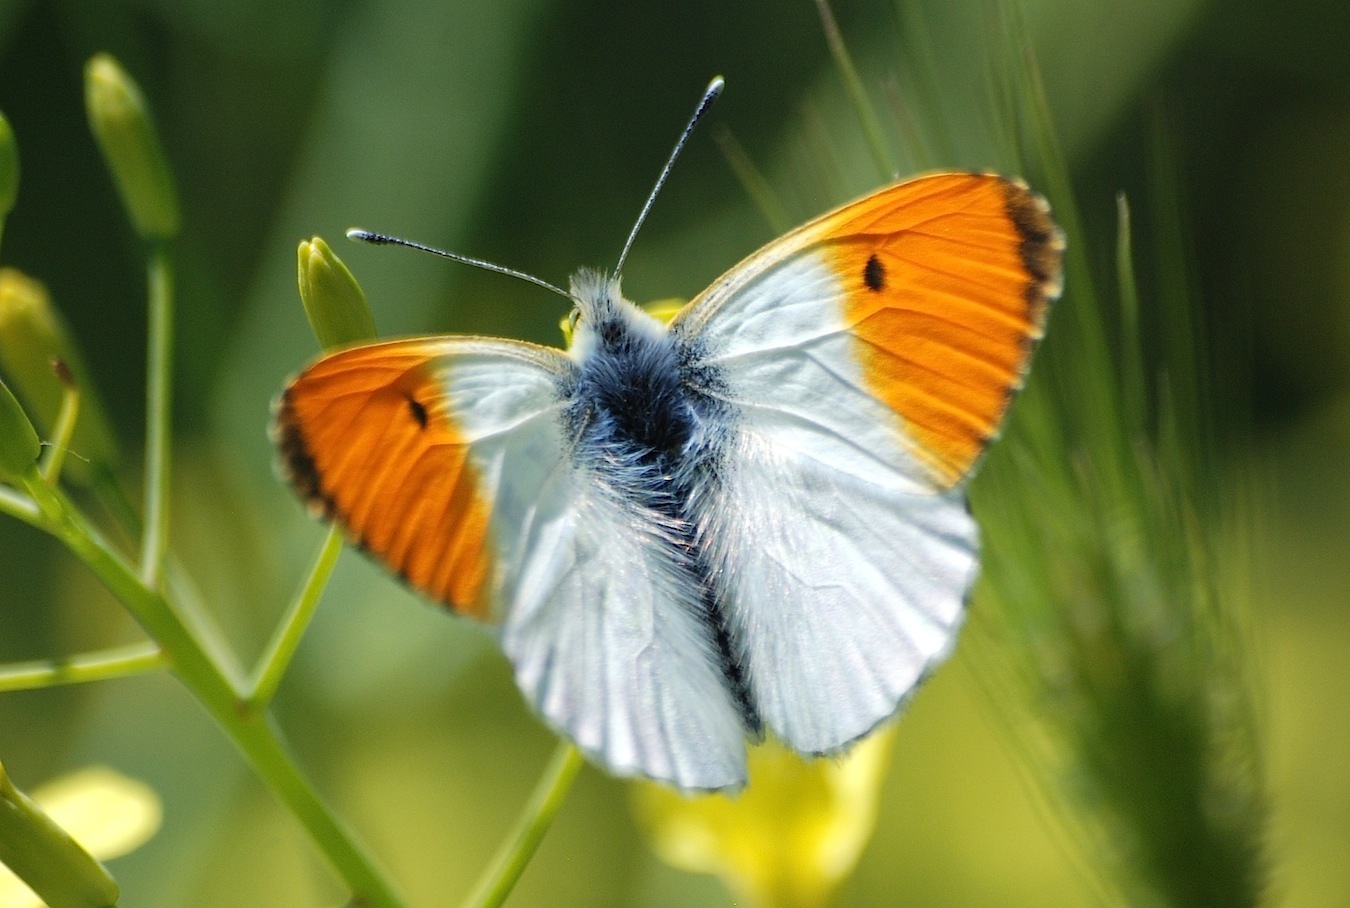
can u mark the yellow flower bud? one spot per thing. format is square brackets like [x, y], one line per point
[32, 338]
[336, 307]
[120, 121]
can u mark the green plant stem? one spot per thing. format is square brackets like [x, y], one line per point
[117, 504]
[118, 662]
[64, 429]
[255, 734]
[867, 117]
[548, 795]
[159, 404]
[181, 591]
[272, 666]
[19, 506]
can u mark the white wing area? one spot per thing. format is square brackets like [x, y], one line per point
[780, 342]
[845, 569]
[611, 649]
[606, 645]
[841, 594]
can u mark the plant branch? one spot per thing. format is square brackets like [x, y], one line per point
[255, 734]
[20, 506]
[159, 405]
[117, 662]
[546, 799]
[272, 667]
[66, 418]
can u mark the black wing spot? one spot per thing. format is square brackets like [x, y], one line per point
[418, 411]
[874, 274]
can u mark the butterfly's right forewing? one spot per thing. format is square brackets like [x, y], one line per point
[869, 358]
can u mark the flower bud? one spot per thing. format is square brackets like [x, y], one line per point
[336, 307]
[19, 445]
[120, 121]
[45, 856]
[32, 337]
[9, 171]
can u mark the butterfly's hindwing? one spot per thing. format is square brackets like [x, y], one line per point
[841, 593]
[607, 642]
[843, 575]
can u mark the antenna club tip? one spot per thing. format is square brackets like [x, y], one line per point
[356, 233]
[716, 85]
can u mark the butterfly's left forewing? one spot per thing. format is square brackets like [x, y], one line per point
[451, 461]
[405, 445]
[868, 359]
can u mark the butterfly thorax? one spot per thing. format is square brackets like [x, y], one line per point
[633, 416]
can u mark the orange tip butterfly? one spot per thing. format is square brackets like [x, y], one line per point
[749, 521]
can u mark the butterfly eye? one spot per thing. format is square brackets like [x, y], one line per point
[573, 319]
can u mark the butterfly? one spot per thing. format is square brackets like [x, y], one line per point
[747, 521]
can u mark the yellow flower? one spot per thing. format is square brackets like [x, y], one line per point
[663, 309]
[794, 833]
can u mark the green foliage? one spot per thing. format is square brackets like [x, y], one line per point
[1110, 582]
[33, 336]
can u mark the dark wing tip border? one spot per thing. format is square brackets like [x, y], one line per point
[295, 462]
[1041, 249]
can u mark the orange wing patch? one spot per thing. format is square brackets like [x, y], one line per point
[948, 281]
[367, 439]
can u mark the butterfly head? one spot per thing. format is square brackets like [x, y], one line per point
[602, 318]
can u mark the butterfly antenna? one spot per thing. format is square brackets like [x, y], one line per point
[709, 96]
[383, 239]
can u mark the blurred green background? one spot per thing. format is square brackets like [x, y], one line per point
[528, 132]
